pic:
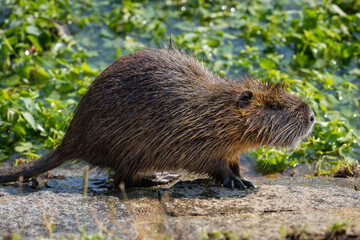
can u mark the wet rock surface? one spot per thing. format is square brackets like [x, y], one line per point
[190, 208]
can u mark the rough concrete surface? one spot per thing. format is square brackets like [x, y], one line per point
[28, 215]
[311, 203]
[188, 209]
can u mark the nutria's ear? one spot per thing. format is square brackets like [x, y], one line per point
[245, 98]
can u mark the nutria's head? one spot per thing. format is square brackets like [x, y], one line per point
[274, 116]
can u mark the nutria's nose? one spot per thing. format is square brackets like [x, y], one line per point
[311, 117]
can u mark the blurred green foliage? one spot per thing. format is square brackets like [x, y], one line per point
[50, 51]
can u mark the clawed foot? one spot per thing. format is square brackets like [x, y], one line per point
[231, 181]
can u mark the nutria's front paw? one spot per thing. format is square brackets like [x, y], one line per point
[231, 181]
[247, 183]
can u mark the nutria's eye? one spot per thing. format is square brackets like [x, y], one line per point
[274, 107]
[245, 98]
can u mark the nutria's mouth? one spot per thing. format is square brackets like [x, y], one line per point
[306, 133]
[294, 135]
[301, 138]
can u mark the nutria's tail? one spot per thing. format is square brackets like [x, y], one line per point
[34, 168]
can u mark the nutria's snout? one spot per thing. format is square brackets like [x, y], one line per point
[306, 126]
[307, 115]
[310, 118]
[311, 121]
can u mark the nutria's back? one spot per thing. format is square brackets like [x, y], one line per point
[158, 110]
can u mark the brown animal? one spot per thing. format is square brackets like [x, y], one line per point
[161, 110]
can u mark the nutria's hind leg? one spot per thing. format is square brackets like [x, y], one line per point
[146, 180]
[235, 169]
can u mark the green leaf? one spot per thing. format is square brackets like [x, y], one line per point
[86, 70]
[19, 130]
[355, 71]
[23, 147]
[337, 10]
[33, 30]
[66, 87]
[39, 76]
[267, 63]
[7, 43]
[35, 42]
[30, 119]
[22, 68]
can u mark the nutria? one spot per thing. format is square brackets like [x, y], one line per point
[161, 110]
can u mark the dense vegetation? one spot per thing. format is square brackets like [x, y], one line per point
[51, 50]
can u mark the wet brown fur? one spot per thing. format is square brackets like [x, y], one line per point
[161, 110]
